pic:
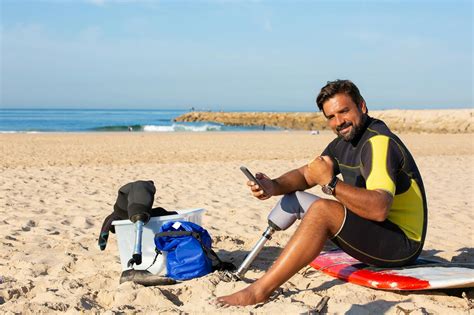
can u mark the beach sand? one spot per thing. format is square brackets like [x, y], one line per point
[57, 188]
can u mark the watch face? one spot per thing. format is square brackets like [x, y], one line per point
[327, 190]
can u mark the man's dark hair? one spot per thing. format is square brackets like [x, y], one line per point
[339, 86]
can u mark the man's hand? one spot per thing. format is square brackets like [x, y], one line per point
[267, 184]
[319, 171]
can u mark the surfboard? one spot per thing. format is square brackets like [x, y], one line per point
[423, 275]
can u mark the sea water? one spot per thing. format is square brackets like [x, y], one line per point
[103, 120]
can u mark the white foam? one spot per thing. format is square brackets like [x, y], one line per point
[153, 128]
[21, 131]
[179, 127]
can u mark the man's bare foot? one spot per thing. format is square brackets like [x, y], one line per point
[244, 297]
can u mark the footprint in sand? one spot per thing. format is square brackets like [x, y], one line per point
[28, 225]
[83, 223]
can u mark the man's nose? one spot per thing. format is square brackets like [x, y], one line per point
[339, 121]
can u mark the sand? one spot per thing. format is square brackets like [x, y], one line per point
[57, 188]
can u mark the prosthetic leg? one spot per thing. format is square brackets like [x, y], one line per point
[139, 220]
[290, 208]
[134, 201]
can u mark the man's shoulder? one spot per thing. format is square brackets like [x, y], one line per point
[378, 127]
[378, 134]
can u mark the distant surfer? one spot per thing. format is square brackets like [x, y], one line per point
[379, 215]
[130, 128]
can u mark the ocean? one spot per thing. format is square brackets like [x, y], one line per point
[103, 120]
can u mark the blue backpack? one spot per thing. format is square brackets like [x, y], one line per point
[189, 253]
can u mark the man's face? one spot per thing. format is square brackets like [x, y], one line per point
[344, 117]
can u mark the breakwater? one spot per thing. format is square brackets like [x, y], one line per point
[431, 121]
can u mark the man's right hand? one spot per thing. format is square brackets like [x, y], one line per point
[319, 171]
[267, 184]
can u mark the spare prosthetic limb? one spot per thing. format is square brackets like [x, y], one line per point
[139, 221]
[135, 201]
[288, 209]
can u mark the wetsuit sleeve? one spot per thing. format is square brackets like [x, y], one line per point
[381, 161]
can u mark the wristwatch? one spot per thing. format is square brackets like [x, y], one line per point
[330, 188]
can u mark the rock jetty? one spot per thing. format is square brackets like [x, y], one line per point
[297, 121]
[431, 121]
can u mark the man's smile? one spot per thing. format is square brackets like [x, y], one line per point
[344, 128]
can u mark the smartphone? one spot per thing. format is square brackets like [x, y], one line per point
[251, 177]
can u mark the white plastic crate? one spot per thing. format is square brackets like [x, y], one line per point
[125, 232]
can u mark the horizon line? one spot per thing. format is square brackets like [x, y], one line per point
[375, 108]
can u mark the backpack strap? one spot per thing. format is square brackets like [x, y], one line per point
[217, 263]
[179, 233]
[157, 253]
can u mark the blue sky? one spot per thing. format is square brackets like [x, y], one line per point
[233, 55]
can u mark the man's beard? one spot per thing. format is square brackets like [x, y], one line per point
[355, 130]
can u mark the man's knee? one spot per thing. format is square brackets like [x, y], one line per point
[329, 213]
[322, 206]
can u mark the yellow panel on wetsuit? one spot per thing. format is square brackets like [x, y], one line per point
[379, 177]
[407, 212]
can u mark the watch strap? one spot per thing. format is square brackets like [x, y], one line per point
[333, 182]
[331, 186]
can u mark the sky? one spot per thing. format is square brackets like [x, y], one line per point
[233, 55]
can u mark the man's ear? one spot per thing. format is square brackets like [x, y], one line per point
[363, 107]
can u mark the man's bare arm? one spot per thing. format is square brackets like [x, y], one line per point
[291, 181]
[369, 204]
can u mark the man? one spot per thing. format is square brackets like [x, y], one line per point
[379, 215]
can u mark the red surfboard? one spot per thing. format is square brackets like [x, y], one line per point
[423, 275]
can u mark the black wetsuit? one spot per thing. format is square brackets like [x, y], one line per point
[377, 159]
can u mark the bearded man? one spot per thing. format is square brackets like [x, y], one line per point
[379, 215]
